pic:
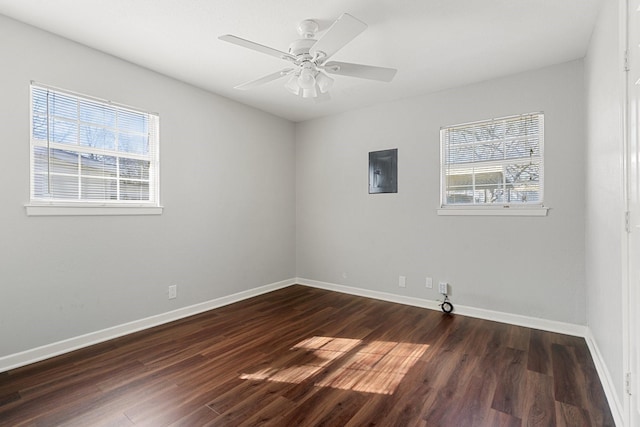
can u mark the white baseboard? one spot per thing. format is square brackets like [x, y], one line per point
[615, 405]
[37, 354]
[480, 313]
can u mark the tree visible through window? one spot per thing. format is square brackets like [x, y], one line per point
[493, 162]
[88, 150]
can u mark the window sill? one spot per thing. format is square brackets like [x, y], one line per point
[101, 210]
[494, 211]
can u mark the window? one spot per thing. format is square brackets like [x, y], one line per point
[493, 165]
[87, 152]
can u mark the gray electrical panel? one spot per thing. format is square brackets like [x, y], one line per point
[383, 171]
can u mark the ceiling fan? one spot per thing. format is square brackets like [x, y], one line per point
[308, 58]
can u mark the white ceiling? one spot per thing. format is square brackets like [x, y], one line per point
[434, 44]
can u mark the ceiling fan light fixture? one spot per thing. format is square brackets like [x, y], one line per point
[292, 85]
[324, 82]
[309, 93]
[307, 79]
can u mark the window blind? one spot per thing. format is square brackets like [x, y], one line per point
[493, 162]
[93, 151]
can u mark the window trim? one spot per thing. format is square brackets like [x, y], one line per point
[43, 207]
[502, 210]
[90, 210]
[498, 209]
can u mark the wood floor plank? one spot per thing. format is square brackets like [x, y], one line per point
[372, 411]
[165, 407]
[500, 419]
[271, 414]
[518, 337]
[570, 386]
[539, 410]
[46, 404]
[472, 406]
[103, 420]
[509, 396]
[452, 374]
[246, 391]
[306, 356]
[10, 397]
[571, 416]
[329, 406]
[201, 416]
[539, 355]
[100, 406]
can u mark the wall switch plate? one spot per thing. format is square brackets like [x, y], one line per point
[402, 282]
[173, 291]
[442, 288]
[429, 283]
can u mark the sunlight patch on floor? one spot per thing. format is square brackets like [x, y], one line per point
[375, 367]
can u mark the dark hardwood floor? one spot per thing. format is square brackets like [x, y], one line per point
[304, 357]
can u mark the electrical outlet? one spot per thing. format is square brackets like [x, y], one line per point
[173, 291]
[402, 282]
[442, 287]
[429, 283]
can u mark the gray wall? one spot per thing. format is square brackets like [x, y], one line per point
[253, 219]
[227, 187]
[533, 266]
[605, 199]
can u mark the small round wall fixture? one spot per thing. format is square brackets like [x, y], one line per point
[446, 306]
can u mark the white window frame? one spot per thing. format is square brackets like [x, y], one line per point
[39, 205]
[499, 208]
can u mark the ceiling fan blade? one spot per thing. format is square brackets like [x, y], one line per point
[361, 71]
[257, 47]
[345, 29]
[265, 79]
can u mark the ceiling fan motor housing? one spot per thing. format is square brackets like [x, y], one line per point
[301, 48]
